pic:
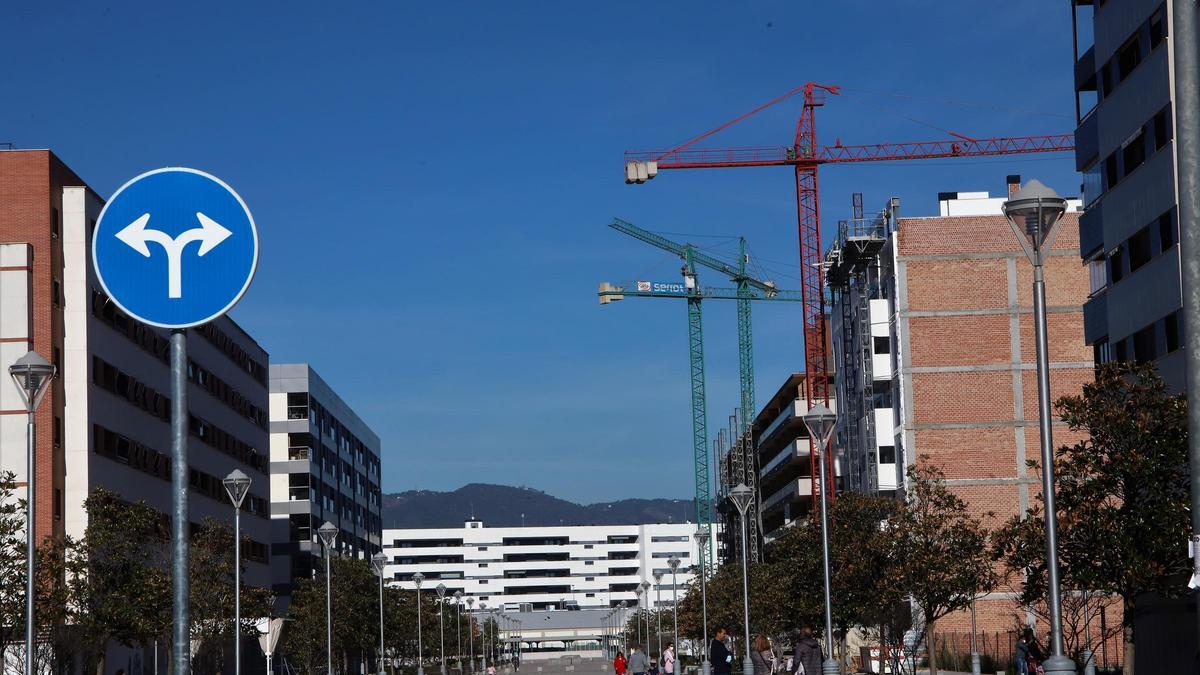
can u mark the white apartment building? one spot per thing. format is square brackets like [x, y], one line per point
[537, 568]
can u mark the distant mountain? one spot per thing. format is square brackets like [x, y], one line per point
[507, 506]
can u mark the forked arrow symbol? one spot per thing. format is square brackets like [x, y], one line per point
[209, 234]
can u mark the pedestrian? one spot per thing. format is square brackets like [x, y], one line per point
[638, 663]
[619, 663]
[668, 659]
[807, 657]
[653, 667]
[718, 653]
[491, 669]
[761, 656]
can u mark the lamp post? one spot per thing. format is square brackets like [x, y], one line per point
[820, 421]
[237, 484]
[328, 532]
[483, 646]
[417, 579]
[645, 608]
[673, 563]
[441, 591]
[458, 628]
[471, 628]
[32, 375]
[658, 611]
[742, 496]
[702, 537]
[624, 632]
[975, 663]
[1033, 214]
[379, 564]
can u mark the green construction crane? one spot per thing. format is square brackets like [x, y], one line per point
[748, 289]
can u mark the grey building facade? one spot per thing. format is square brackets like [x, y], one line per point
[1128, 235]
[325, 466]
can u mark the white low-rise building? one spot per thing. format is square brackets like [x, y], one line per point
[553, 567]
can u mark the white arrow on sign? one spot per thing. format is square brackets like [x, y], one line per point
[209, 234]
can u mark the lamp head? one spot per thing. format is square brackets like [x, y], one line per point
[379, 563]
[237, 484]
[418, 578]
[32, 375]
[441, 591]
[327, 532]
[673, 563]
[820, 422]
[658, 577]
[741, 495]
[458, 595]
[1033, 213]
[702, 535]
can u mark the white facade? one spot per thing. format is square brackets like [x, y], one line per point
[559, 567]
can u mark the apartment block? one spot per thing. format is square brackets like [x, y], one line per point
[325, 467]
[105, 421]
[1129, 231]
[539, 568]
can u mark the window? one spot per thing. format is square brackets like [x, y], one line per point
[1171, 332]
[883, 345]
[1110, 171]
[1128, 57]
[1101, 351]
[1116, 264]
[58, 504]
[1121, 351]
[1092, 186]
[1166, 231]
[1097, 275]
[1157, 29]
[1139, 249]
[58, 432]
[483, 564]
[56, 292]
[1144, 346]
[887, 454]
[1133, 151]
[1162, 131]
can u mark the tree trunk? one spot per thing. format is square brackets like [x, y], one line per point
[100, 664]
[931, 640]
[1128, 666]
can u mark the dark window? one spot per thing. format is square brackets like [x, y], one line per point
[1139, 249]
[1166, 231]
[1116, 264]
[1128, 57]
[58, 432]
[1171, 332]
[1106, 79]
[56, 292]
[887, 454]
[1162, 131]
[1157, 29]
[1134, 152]
[1110, 171]
[882, 345]
[1101, 352]
[58, 504]
[1121, 351]
[1144, 344]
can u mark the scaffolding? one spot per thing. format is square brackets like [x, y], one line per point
[852, 276]
[737, 462]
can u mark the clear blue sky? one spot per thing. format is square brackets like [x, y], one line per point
[432, 183]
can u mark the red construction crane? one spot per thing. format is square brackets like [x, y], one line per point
[805, 155]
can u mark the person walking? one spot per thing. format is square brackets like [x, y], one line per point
[761, 655]
[619, 663]
[668, 659]
[638, 663]
[806, 660]
[718, 653]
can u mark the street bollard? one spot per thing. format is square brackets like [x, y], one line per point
[975, 665]
[1089, 662]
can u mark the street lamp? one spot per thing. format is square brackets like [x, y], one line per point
[441, 591]
[32, 375]
[379, 564]
[702, 536]
[328, 532]
[742, 496]
[471, 627]
[820, 421]
[624, 631]
[458, 628]
[673, 563]
[645, 586]
[237, 484]
[417, 579]
[483, 646]
[658, 610]
[1033, 214]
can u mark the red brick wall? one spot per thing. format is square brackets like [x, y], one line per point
[965, 415]
[31, 183]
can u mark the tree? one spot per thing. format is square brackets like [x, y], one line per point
[12, 566]
[939, 556]
[1123, 496]
[116, 577]
[210, 571]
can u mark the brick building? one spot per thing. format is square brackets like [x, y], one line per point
[949, 334]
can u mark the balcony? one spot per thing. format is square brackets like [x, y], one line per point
[300, 452]
[297, 412]
[297, 494]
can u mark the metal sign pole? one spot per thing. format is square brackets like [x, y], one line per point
[180, 625]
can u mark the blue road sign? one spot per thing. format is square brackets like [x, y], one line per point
[175, 247]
